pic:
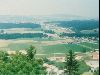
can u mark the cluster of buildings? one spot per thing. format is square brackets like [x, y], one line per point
[94, 61]
[55, 28]
[53, 70]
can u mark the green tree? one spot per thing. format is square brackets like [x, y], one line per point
[71, 64]
[20, 64]
[31, 53]
[4, 56]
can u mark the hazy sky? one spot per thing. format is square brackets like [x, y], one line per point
[86, 8]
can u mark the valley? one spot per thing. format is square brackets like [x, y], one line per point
[52, 41]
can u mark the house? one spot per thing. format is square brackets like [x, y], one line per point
[78, 57]
[95, 55]
[94, 64]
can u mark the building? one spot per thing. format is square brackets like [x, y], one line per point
[95, 55]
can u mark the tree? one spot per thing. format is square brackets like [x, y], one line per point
[20, 64]
[96, 72]
[31, 52]
[2, 31]
[71, 64]
[4, 56]
[84, 51]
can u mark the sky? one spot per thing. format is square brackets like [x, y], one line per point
[85, 8]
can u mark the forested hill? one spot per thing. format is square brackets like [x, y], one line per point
[79, 25]
[18, 25]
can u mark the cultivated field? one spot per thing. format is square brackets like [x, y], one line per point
[47, 46]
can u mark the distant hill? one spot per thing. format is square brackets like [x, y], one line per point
[52, 17]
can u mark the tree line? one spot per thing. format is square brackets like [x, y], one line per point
[18, 25]
[24, 35]
[79, 35]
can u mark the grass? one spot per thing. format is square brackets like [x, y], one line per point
[63, 48]
[18, 46]
[50, 49]
[87, 73]
[83, 67]
[91, 45]
[59, 48]
[60, 65]
[24, 46]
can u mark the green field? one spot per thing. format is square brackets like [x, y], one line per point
[91, 45]
[18, 46]
[59, 48]
[63, 48]
[50, 49]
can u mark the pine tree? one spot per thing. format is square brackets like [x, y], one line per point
[71, 64]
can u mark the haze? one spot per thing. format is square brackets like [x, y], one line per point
[85, 8]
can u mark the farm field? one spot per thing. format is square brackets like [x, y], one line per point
[46, 46]
[63, 48]
[91, 45]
